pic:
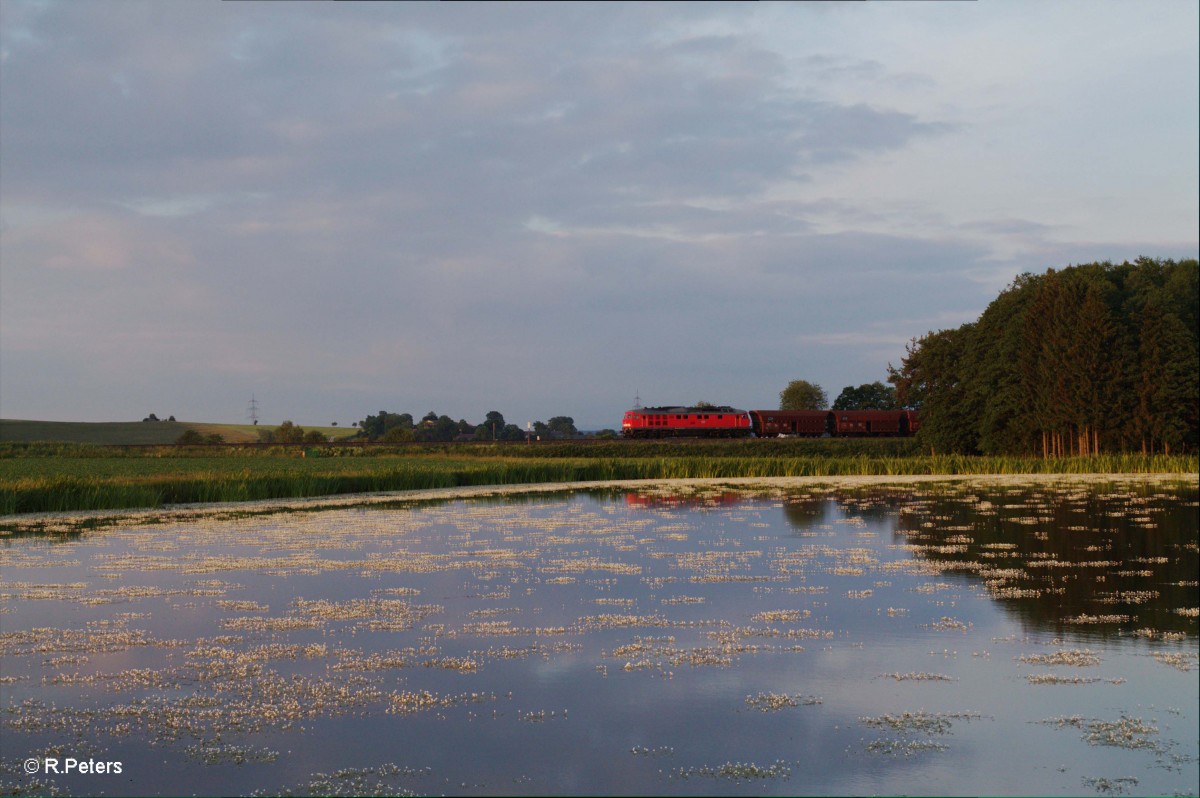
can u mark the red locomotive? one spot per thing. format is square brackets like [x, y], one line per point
[671, 422]
[728, 422]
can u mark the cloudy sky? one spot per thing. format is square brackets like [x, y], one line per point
[547, 209]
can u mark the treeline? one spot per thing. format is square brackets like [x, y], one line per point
[1090, 358]
[805, 395]
[398, 427]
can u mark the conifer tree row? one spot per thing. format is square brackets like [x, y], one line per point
[1078, 361]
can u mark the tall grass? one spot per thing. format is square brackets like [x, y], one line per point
[88, 478]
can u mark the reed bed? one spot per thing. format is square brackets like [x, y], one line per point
[91, 478]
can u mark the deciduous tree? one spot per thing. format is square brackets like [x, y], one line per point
[1069, 362]
[563, 426]
[803, 395]
[287, 432]
[868, 396]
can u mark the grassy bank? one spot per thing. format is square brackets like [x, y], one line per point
[78, 477]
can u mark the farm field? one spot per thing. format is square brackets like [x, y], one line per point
[48, 478]
[132, 433]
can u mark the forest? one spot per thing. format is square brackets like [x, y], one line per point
[1090, 358]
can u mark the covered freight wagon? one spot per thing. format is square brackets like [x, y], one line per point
[873, 422]
[806, 423]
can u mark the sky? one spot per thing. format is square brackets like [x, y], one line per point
[554, 209]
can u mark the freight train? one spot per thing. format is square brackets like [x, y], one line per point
[729, 422]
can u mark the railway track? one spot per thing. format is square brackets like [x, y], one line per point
[550, 442]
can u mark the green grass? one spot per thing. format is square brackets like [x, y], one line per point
[60, 477]
[135, 432]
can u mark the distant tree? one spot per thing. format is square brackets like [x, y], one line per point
[491, 428]
[190, 437]
[803, 395]
[397, 435]
[702, 405]
[441, 428]
[287, 432]
[541, 429]
[150, 417]
[447, 428]
[375, 427]
[868, 396]
[429, 418]
[494, 428]
[563, 426]
[214, 437]
[172, 418]
[494, 422]
[314, 436]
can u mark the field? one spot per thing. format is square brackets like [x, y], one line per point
[38, 478]
[133, 433]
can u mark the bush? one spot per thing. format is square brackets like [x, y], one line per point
[287, 432]
[397, 435]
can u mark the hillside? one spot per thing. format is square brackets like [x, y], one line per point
[134, 432]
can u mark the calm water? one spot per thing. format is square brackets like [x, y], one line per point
[1035, 640]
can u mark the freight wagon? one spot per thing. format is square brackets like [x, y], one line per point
[869, 423]
[788, 423]
[728, 422]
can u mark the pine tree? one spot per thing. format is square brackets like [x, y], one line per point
[1006, 422]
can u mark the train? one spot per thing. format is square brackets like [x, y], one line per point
[729, 422]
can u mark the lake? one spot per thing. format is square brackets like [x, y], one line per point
[938, 638]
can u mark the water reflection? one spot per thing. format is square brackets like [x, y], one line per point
[661, 498]
[707, 641]
[1070, 561]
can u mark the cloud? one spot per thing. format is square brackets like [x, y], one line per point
[544, 209]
